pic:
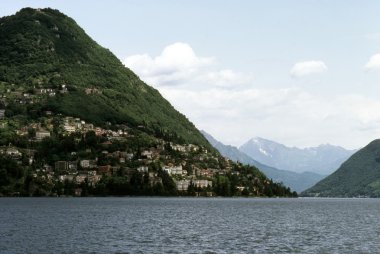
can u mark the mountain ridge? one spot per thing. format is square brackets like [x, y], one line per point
[359, 176]
[296, 181]
[323, 159]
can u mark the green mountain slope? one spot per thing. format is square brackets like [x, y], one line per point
[44, 48]
[75, 122]
[358, 176]
[296, 181]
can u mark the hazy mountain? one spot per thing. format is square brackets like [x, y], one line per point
[296, 181]
[358, 176]
[323, 159]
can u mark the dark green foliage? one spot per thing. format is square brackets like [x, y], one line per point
[169, 187]
[137, 185]
[44, 48]
[10, 168]
[222, 186]
[11, 174]
[358, 176]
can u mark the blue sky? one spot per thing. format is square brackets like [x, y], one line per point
[299, 72]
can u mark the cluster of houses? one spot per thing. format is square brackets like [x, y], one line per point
[199, 178]
[183, 185]
[22, 96]
[71, 124]
[185, 148]
[34, 95]
[89, 171]
[68, 125]
[12, 152]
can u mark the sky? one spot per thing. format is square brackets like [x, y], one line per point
[301, 73]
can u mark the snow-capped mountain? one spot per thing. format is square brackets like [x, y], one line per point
[296, 181]
[323, 159]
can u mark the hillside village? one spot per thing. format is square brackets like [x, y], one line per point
[75, 122]
[92, 156]
[115, 154]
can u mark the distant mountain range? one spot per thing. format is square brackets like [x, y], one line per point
[323, 159]
[358, 176]
[296, 181]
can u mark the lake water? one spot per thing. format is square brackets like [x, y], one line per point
[189, 225]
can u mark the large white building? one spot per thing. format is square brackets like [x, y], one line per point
[183, 185]
[173, 170]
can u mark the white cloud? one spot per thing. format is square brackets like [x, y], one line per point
[301, 69]
[290, 115]
[225, 78]
[365, 110]
[224, 103]
[373, 63]
[178, 65]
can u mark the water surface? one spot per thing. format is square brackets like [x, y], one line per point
[189, 225]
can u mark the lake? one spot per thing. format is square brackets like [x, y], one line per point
[189, 225]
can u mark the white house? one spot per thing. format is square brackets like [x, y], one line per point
[142, 169]
[13, 152]
[183, 185]
[41, 134]
[202, 183]
[173, 170]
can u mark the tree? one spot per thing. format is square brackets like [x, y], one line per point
[169, 185]
[31, 132]
[222, 186]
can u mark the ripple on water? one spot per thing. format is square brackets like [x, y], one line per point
[188, 225]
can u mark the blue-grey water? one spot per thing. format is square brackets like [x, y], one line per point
[189, 225]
